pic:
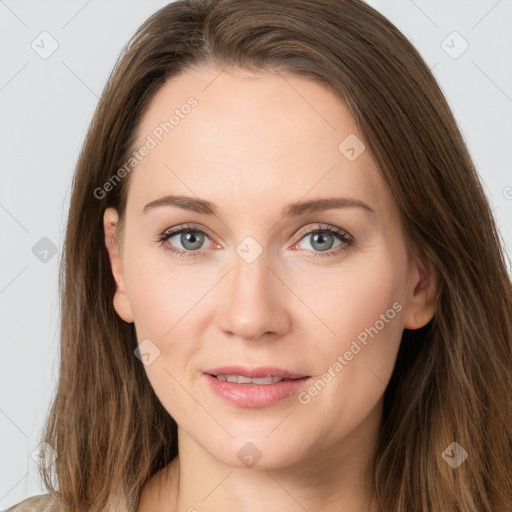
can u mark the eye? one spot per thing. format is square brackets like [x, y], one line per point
[189, 237]
[322, 238]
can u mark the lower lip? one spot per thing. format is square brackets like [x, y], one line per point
[255, 395]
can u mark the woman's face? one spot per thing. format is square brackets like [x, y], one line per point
[251, 284]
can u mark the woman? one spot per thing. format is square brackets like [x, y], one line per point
[282, 287]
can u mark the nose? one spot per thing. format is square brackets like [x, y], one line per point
[256, 301]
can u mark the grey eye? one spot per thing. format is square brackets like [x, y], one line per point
[321, 241]
[190, 240]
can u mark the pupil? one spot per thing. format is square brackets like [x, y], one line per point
[188, 237]
[320, 236]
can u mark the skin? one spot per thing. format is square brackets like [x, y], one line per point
[252, 145]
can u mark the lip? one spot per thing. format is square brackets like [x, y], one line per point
[254, 395]
[262, 371]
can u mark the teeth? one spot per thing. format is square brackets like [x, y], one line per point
[240, 379]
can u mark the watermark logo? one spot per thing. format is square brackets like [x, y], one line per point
[454, 45]
[44, 250]
[249, 454]
[44, 45]
[352, 147]
[454, 455]
[147, 352]
[249, 249]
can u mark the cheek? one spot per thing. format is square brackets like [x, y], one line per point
[362, 307]
[167, 305]
[350, 298]
[161, 293]
[164, 302]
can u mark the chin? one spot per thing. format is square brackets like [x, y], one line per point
[260, 453]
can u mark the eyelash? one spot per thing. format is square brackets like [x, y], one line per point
[347, 239]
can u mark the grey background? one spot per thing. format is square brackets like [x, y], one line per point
[47, 103]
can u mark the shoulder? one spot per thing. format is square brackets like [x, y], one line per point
[40, 503]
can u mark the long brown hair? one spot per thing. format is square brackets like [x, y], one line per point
[453, 378]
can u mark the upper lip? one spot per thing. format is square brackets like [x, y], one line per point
[262, 371]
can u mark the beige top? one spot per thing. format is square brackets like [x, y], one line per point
[40, 503]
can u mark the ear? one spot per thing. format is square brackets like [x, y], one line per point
[121, 301]
[422, 287]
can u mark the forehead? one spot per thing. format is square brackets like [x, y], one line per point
[248, 140]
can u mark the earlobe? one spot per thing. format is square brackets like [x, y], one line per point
[121, 301]
[422, 302]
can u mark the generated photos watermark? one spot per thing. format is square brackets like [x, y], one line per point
[157, 135]
[355, 348]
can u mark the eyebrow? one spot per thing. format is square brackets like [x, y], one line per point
[292, 210]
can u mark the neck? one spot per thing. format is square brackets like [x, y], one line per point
[334, 479]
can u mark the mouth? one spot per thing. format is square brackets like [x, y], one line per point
[254, 387]
[241, 379]
[262, 376]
